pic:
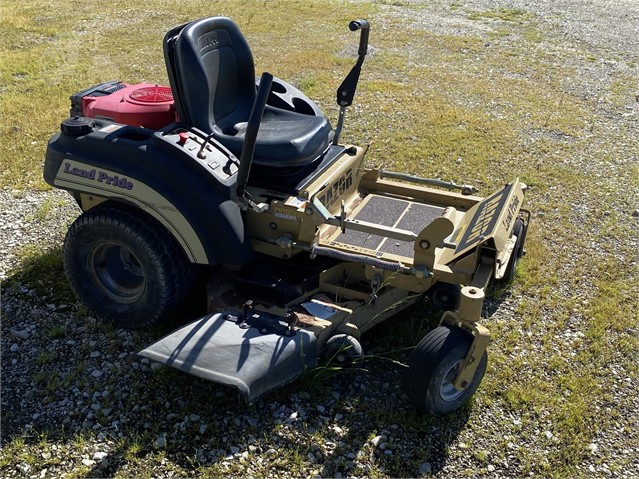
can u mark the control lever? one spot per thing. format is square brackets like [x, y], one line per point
[346, 90]
[253, 126]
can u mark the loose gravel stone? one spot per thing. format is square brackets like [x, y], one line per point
[20, 334]
[56, 358]
[425, 468]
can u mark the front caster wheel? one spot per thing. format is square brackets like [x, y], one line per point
[433, 367]
[343, 349]
[124, 266]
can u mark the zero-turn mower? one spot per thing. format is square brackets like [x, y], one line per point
[305, 248]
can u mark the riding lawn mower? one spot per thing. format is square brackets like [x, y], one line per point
[305, 249]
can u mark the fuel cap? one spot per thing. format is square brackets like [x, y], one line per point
[77, 126]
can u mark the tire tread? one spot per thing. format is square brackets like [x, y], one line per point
[175, 271]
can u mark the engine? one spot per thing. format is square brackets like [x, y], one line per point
[144, 104]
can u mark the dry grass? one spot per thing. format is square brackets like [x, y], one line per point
[474, 108]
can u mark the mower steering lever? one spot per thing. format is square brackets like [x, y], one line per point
[364, 26]
[346, 90]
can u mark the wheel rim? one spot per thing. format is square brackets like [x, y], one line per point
[117, 273]
[447, 389]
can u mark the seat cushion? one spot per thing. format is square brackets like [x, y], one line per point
[285, 138]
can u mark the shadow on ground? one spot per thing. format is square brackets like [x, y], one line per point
[78, 384]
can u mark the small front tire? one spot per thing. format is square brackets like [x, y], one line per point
[433, 367]
[343, 349]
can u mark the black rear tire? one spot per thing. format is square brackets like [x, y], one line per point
[124, 266]
[432, 368]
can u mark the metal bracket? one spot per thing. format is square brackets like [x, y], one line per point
[267, 323]
[376, 285]
[246, 202]
[468, 367]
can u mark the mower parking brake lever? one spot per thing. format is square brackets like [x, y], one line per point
[202, 154]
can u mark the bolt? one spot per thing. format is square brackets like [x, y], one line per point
[424, 244]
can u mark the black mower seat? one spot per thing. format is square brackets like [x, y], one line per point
[212, 74]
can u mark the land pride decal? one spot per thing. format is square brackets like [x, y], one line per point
[485, 219]
[99, 176]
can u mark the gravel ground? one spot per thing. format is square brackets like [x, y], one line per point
[83, 385]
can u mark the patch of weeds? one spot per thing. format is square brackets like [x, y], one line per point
[56, 331]
[82, 312]
[79, 368]
[44, 358]
[44, 211]
[43, 272]
[623, 91]
[317, 380]
[504, 14]
[53, 384]
[15, 452]
[480, 455]
[132, 448]
[307, 83]
[115, 346]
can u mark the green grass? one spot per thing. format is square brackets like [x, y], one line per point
[49, 51]
[41, 270]
[475, 108]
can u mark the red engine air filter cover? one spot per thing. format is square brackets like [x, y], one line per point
[144, 104]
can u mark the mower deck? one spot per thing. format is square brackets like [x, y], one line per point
[255, 354]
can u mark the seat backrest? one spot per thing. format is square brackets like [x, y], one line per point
[211, 72]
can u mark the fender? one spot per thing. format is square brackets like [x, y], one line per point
[155, 172]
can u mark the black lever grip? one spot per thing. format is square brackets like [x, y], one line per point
[364, 26]
[359, 24]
